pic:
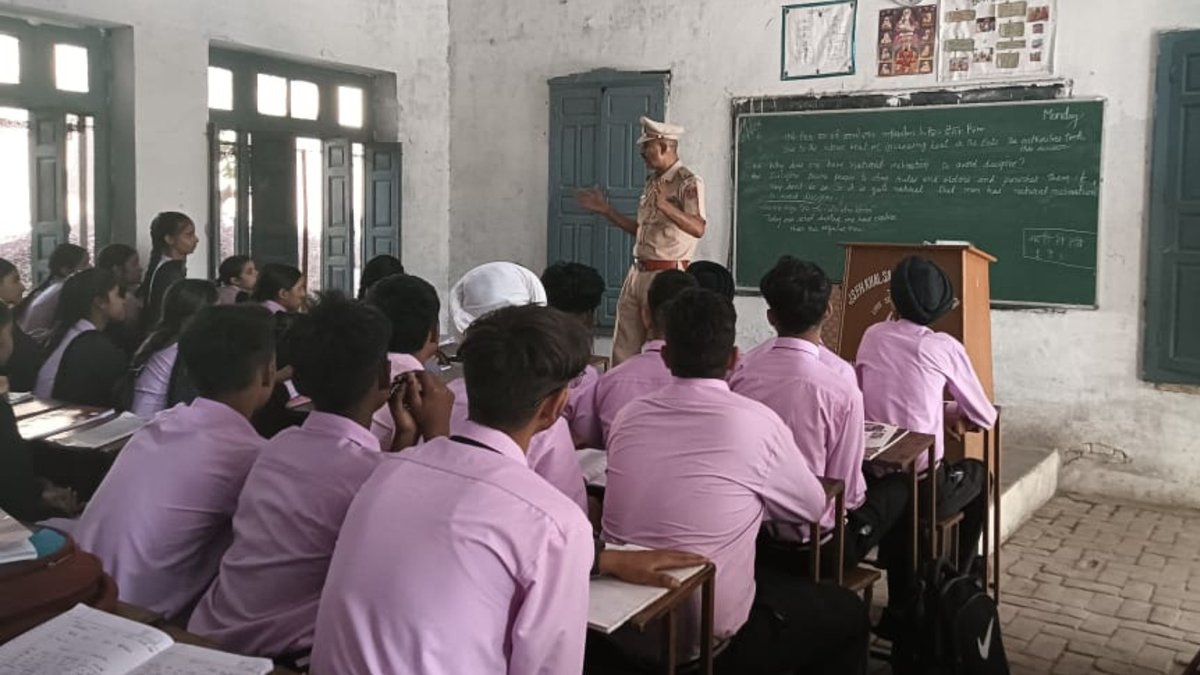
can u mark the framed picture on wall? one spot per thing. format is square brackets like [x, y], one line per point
[818, 39]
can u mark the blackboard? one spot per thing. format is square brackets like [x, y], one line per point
[1018, 180]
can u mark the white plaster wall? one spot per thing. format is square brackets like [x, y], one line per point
[170, 57]
[1067, 380]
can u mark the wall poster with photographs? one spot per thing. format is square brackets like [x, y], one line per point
[983, 39]
[907, 41]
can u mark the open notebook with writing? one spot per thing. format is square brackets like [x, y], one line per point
[880, 437]
[612, 602]
[86, 641]
[58, 421]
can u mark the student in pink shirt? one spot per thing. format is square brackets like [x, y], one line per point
[486, 289]
[412, 305]
[640, 374]
[161, 520]
[576, 289]
[697, 467]
[822, 409]
[264, 599]
[455, 557]
[904, 367]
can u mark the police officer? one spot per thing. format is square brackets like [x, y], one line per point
[670, 220]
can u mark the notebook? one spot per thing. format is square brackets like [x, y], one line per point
[86, 641]
[14, 540]
[881, 437]
[58, 421]
[118, 428]
[612, 602]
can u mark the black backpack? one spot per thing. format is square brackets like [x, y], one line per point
[951, 627]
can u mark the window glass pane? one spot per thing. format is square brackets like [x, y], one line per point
[350, 107]
[227, 175]
[357, 175]
[272, 95]
[10, 59]
[71, 68]
[15, 233]
[220, 88]
[306, 100]
[310, 208]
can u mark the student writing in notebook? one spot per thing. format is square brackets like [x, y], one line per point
[156, 377]
[28, 467]
[161, 520]
[172, 240]
[36, 312]
[485, 289]
[698, 467]
[640, 374]
[905, 366]
[823, 411]
[237, 277]
[26, 358]
[264, 599]
[411, 304]
[83, 365]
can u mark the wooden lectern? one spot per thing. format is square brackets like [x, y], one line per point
[866, 299]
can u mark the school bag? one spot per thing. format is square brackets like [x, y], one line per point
[951, 627]
[62, 576]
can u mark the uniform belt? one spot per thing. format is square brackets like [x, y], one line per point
[659, 265]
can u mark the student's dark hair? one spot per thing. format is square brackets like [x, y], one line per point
[165, 224]
[701, 330]
[378, 268]
[272, 279]
[573, 287]
[338, 350]
[75, 301]
[6, 314]
[231, 268]
[797, 291]
[6, 268]
[664, 288]
[513, 358]
[223, 347]
[115, 255]
[181, 302]
[412, 305]
[714, 277]
[63, 257]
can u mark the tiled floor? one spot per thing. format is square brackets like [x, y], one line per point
[1098, 586]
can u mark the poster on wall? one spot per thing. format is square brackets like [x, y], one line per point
[996, 38]
[907, 40]
[818, 39]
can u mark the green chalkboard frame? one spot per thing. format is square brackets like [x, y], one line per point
[883, 103]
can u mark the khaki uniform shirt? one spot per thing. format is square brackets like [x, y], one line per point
[658, 237]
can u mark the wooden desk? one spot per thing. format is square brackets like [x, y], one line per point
[835, 490]
[665, 609]
[991, 507]
[903, 456]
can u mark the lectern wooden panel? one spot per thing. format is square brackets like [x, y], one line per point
[866, 299]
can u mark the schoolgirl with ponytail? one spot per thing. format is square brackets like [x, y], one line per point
[82, 364]
[35, 313]
[26, 358]
[172, 240]
[156, 380]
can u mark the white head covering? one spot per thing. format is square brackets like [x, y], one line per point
[490, 287]
[653, 130]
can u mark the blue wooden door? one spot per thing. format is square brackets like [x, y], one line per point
[1172, 338]
[594, 123]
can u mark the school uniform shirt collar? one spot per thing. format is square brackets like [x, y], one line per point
[341, 427]
[82, 326]
[403, 363]
[274, 307]
[223, 416]
[653, 346]
[797, 344]
[699, 383]
[494, 439]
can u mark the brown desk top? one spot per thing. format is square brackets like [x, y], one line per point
[905, 452]
[673, 598]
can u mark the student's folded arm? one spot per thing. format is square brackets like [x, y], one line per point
[790, 490]
[967, 390]
[549, 628]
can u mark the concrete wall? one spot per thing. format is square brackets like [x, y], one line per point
[1067, 380]
[161, 94]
